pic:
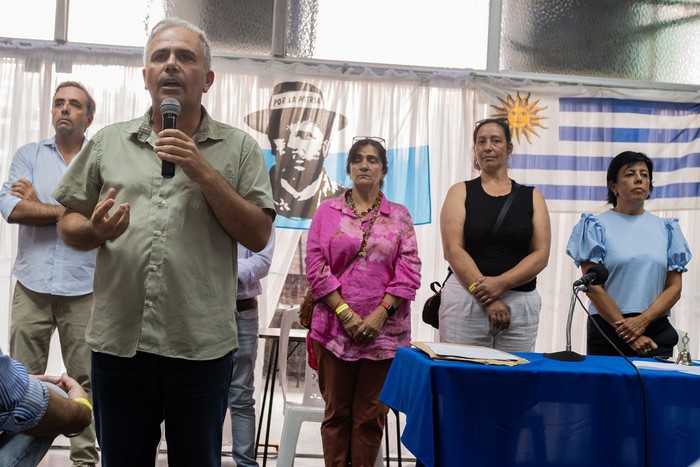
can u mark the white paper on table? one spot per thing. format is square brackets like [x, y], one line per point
[466, 351]
[645, 365]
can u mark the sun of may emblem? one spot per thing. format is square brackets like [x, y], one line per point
[521, 114]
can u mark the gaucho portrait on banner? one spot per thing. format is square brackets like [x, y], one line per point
[299, 129]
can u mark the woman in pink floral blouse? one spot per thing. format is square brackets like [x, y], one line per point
[363, 314]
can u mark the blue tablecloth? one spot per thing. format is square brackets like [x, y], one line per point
[545, 412]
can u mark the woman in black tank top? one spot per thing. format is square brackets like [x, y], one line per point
[495, 246]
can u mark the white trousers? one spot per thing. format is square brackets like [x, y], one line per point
[464, 321]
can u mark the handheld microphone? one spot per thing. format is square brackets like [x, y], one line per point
[170, 109]
[596, 275]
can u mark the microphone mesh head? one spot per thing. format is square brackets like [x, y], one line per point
[170, 105]
[601, 274]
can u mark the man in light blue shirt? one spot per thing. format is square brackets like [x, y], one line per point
[54, 282]
[252, 267]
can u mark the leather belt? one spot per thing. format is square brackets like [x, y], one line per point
[246, 304]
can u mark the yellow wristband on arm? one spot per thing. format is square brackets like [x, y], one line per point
[85, 402]
[341, 308]
[472, 287]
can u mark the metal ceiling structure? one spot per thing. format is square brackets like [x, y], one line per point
[279, 41]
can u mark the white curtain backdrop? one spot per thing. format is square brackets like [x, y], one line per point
[407, 110]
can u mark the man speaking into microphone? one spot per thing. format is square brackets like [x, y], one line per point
[162, 331]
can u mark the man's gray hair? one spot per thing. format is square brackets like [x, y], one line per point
[167, 23]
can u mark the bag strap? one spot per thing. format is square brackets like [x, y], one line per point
[505, 208]
[347, 266]
[435, 284]
[496, 226]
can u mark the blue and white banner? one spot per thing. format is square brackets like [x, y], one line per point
[565, 137]
[407, 182]
[306, 129]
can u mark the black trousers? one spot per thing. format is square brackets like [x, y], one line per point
[660, 331]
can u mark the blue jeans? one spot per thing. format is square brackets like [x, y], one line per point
[19, 450]
[241, 392]
[132, 396]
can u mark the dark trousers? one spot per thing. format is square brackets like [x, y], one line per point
[353, 424]
[660, 331]
[132, 396]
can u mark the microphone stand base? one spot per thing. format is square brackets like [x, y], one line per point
[565, 356]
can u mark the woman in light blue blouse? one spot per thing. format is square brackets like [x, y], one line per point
[645, 256]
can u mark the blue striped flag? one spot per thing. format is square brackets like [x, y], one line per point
[567, 152]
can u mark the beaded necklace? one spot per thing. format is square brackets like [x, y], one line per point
[375, 212]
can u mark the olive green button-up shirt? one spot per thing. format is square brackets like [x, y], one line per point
[167, 286]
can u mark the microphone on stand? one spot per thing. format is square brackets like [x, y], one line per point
[170, 109]
[596, 275]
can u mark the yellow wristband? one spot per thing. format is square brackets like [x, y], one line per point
[85, 402]
[472, 287]
[341, 308]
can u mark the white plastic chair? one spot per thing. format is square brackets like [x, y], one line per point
[310, 409]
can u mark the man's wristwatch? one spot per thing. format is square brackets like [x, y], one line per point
[390, 309]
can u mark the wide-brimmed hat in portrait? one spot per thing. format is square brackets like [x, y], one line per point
[295, 101]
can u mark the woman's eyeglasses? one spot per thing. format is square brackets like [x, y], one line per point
[378, 139]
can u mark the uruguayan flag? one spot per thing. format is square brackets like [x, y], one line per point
[573, 138]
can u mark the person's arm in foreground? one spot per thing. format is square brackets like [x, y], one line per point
[63, 415]
[28, 406]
